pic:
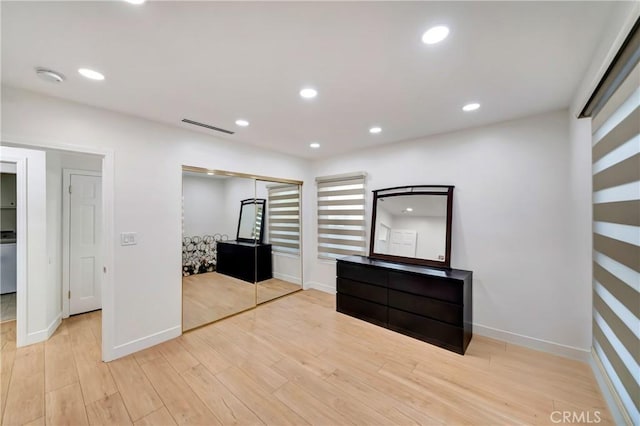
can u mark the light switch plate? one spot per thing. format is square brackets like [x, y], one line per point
[128, 238]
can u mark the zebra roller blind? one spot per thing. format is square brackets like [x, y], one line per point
[615, 111]
[341, 215]
[284, 218]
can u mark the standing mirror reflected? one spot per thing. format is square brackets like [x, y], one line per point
[250, 227]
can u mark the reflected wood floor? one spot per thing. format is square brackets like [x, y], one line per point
[292, 361]
[211, 296]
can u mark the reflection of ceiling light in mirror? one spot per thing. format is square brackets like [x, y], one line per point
[210, 173]
[471, 107]
[242, 123]
[314, 145]
[375, 130]
[409, 209]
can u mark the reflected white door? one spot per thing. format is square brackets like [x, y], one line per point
[85, 226]
[403, 242]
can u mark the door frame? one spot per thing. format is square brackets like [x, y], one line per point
[66, 229]
[21, 246]
[108, 227]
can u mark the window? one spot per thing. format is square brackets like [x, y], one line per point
[341, 215]
[284, 218]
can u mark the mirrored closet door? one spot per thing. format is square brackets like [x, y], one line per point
[241, 243]
[284, 237]
[212, 204]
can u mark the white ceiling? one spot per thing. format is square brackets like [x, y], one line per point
[216, 62]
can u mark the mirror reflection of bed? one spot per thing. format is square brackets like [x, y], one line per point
[241, 239]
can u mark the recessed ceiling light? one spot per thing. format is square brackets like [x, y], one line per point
[409, 209]
[314, 145]
[135, 1]
[242, 123]
[375, 130]
[49, 75]
[435, 35]
[308, 93]
[471, 107]
[210, 173]
[90, 74]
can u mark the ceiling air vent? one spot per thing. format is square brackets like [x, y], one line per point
[217, 129]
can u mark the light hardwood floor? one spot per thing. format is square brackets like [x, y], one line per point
[211, 296]
[292, 361]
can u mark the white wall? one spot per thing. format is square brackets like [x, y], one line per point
[432, 234]
[513, 223]
[142, 303]
[203, 205]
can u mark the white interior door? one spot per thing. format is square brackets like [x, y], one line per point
[403, 242]
[85, 235]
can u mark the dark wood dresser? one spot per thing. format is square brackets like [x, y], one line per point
[246, 261]
[430, 304]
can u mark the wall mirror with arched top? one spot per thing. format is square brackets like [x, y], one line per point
[412, 224]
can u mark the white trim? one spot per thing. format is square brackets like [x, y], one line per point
[319, 286]
[287, 277]
[145, 342]
[21, 247]
[609, 393]
[66, 221]
[44, 334]
[108, 220]
[532, 343]
[7, 167]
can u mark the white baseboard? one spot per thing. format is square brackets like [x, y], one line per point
[533, 343]
[320, 286]
[287, 277]
[618, 412]
[44, 334]
[143, 343]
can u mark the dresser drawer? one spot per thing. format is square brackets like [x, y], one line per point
[369, 292]
[362, 273]
[447, 290]
[363, 309]
[443, 311]
[426, 329]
